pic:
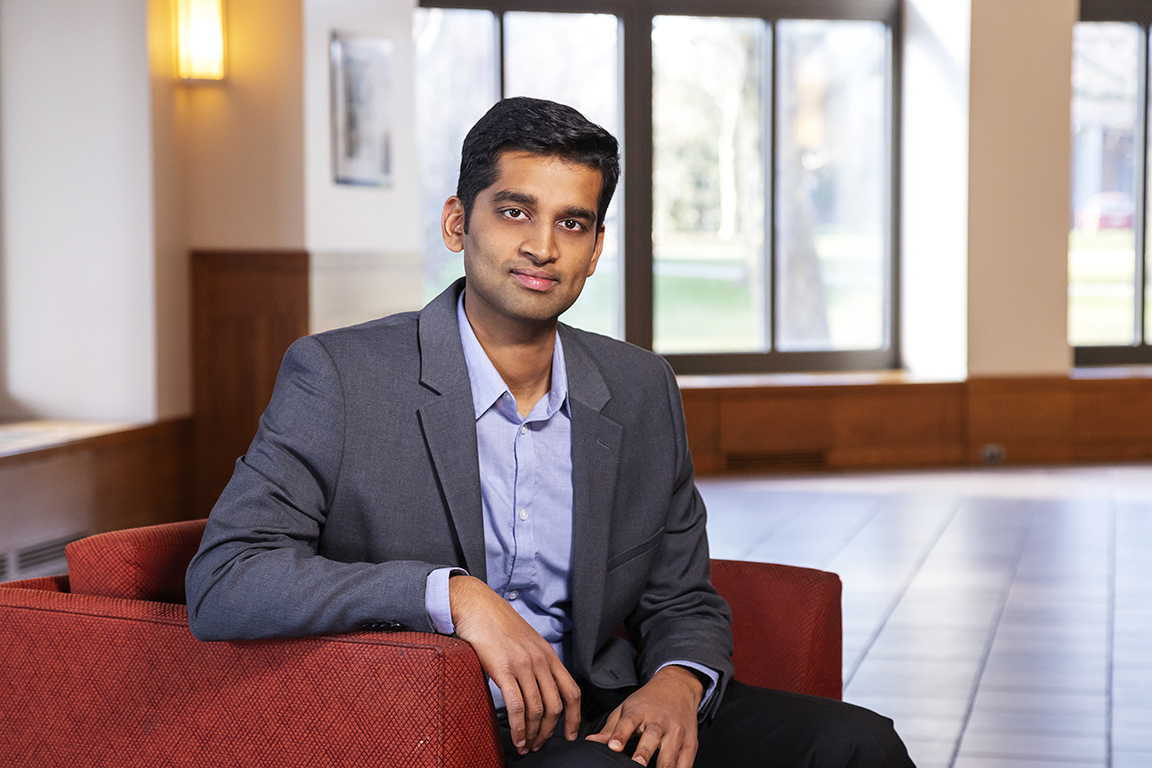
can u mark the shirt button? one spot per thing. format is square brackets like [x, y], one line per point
[523, 514]
[524, 429]
[513, 595]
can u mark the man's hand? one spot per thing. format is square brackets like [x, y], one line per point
[663, 712]
[535, 685]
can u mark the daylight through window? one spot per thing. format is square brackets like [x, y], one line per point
[760, 237]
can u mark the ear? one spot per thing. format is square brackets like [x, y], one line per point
[452, 224]
[596, 251]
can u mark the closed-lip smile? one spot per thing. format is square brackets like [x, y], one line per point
[535, 279]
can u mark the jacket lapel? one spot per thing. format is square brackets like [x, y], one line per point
[595, 457]
[449, 424]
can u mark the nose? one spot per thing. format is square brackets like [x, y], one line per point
[540, 245]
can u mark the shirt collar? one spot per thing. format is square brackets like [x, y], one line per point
[487, 384]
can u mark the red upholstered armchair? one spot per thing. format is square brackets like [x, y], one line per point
[99, 669]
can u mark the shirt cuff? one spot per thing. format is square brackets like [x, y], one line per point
[708, 672]
[436, 601]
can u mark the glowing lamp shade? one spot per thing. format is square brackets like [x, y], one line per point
[200, 40]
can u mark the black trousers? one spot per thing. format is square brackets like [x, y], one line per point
[753, 728]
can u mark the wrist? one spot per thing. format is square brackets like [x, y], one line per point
[696, 682]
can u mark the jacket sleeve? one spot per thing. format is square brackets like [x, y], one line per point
[257, 573]
[680, 616]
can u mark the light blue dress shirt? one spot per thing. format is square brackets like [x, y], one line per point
[526, 493]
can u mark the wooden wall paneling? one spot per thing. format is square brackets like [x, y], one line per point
[144, 477]
[1030, 417]
[1112, 419]
[247, 308]
[841, 426]
[702, 417]
[772, 429]
[48, 495]
[138, 476]
[1093, 417]
[899, 425]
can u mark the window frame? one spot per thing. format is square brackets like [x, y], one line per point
[635, 198]
[1138, 12]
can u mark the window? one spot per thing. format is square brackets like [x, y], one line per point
[754, 227]
[458, 54]
[1108, 287]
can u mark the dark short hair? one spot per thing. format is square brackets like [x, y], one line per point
[542, 128]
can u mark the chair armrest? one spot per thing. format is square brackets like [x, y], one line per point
[786, 625]
[43, 583]
[101, 681]
[146, 563]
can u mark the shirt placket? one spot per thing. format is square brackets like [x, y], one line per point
[523, 512]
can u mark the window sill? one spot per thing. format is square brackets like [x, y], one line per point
[835, 379]
[29, 436]
[1112, 372]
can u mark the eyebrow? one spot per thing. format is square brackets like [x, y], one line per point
[511, 196]
[576, 212]
[523, 198]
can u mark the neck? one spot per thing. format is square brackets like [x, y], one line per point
[521, 355]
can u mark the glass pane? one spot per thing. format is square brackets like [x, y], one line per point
[1148, 218]
[1102, 241]
[708, 185]
[574, 59]
[456, 60]
[831, 190]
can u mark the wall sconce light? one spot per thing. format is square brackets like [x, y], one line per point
[200, 41]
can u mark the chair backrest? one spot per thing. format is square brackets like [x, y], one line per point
[137, 563]
[786, 622]
[786, 625]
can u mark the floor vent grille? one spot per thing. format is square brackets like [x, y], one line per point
[44, 553]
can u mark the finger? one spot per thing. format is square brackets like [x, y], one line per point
[649, 741]
[514, 705]
[570, 692]
[553, 708]
[625, 727]
[671, 749]
[687, 752]
[532, 710]
[606, 732]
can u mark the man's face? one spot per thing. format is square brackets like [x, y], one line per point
[532, 239]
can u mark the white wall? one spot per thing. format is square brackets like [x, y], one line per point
[79, 314]
[257, 157]
[1018, 185]
[364, 241]
[243, 140]
[987, 89]
[169, 201]
[934, 204]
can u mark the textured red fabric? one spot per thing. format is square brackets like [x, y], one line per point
[786, 625]
[99, 681]
[137, 563]
[110, 679]
[45, 583]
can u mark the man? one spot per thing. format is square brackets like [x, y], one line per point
[477, 468]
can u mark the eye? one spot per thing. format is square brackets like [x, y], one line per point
[514, 213]
[572, 225]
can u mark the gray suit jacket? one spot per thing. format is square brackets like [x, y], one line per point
[363, 478]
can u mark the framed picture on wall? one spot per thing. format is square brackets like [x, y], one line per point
[361, 109]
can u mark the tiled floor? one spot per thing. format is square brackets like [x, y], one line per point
[1002, 618]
